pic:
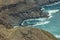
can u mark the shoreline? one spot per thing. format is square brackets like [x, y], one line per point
[33, 12]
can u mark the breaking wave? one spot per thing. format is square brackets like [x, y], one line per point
[41, 23]
[57, 36]
[51, 12]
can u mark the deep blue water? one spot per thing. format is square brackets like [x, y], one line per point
[51, 24]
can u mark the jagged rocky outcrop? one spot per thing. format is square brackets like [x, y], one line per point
[24, 33]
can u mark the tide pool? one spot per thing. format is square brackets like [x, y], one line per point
[51, 24]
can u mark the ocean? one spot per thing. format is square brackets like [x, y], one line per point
[51, 24]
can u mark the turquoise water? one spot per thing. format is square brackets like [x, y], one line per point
[51, 24]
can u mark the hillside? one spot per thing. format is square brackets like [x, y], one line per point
[24, 33]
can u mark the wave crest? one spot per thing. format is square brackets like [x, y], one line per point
[41, 23]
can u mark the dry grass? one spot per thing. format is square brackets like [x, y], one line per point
[24, 33]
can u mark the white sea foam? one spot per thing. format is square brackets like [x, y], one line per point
[52, 11]
[41, 23]
[50, 17]
[57, 36]
[38, 19]
[41, 19]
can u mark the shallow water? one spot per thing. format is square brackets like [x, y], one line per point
[51, 24]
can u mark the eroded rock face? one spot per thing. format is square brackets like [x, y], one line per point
[24, 33]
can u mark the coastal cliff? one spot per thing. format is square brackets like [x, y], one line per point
[15, 12]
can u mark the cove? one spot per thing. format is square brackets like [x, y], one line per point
[51, 24]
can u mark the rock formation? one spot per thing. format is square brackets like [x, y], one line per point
[14, 14]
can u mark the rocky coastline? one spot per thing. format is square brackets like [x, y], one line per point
[15, 14]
